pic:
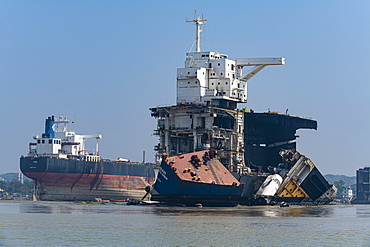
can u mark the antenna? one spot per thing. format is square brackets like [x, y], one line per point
[198, 21]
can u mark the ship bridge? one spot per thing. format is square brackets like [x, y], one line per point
[211, 78]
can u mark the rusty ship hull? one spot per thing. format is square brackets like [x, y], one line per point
[196, 179]
[78, 180]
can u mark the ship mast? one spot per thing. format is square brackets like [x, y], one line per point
[198, 21]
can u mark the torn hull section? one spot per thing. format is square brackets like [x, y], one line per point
[196, 178]
[191, 179]
[266, 134]
[302, 183]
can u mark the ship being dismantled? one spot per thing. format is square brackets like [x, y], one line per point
[258, 149]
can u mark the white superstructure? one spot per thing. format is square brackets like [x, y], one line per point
[209, 87]
[58, 141]
[210, 76]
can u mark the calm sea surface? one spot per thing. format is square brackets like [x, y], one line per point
[71, 224]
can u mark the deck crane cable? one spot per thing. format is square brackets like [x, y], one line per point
[23, 190]
[15, 188]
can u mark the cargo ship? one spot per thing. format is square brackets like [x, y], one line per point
[258, 149]
[64, 170]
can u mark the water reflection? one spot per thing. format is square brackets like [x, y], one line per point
[78, 208]
[258, 211]
[113, 224]
[363, 211]
[244, 211]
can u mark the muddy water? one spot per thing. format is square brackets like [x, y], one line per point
[71, 224]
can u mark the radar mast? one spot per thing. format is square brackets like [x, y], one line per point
[198, 21]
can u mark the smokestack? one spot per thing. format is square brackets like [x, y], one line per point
[49, 131]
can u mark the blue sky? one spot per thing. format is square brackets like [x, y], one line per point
[105, 63]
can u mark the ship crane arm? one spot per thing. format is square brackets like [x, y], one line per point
[97, 137]
[252, 72]
[92, 136]
[259, 64]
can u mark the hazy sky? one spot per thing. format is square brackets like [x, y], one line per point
[105, 63]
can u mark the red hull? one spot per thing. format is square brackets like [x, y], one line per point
[67, 186]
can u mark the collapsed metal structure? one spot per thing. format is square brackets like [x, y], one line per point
[248, 144]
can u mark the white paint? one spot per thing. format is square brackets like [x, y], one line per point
[66, 142]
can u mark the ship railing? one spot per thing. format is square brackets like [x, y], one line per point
[164, 105]
[35, 155]
[93, 158]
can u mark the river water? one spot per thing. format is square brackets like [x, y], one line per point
[72, 224]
